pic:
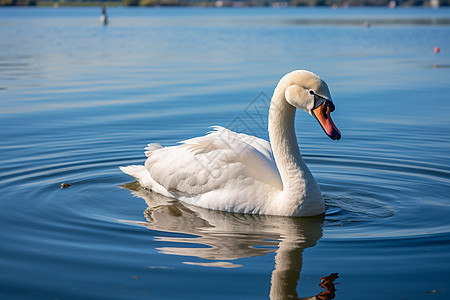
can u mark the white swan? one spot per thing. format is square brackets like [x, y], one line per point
[235, 172]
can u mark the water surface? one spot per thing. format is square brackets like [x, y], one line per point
[78, 100]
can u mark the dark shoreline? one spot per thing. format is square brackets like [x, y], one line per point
[227, 3]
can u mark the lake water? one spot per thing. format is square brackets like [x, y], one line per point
[78, 100]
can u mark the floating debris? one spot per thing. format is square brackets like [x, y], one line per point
[430, 292]
[65, 185]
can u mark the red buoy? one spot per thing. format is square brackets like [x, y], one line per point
[436, 49]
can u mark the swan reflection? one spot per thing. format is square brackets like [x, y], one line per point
[226, 237]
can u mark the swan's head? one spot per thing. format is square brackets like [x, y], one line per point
[306, 91]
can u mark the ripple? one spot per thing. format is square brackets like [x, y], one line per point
[343, 208]
[379, 196]
[389, 165]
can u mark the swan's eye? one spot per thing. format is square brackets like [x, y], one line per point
[311, 92]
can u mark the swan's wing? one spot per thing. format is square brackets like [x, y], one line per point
[208, 163]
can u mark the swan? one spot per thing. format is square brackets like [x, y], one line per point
[236, 172]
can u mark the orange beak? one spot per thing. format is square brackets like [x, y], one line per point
[323, 115]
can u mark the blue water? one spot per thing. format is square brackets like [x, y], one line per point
[78, 100]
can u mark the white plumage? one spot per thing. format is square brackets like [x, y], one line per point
[236, 172]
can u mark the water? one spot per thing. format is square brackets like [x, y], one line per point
[78, 100]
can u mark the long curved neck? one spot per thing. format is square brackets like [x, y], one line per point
[284, 142]
[301, 195]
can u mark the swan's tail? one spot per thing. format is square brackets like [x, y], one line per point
[142, 175]
[139, 173]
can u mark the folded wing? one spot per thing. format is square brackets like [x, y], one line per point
[210, 162]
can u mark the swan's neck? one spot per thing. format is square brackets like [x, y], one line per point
[284, 141]
[298, 183]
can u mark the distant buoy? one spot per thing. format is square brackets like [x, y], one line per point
[103, 17]
[436, 49]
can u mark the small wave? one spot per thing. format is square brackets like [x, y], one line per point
[342, 208]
